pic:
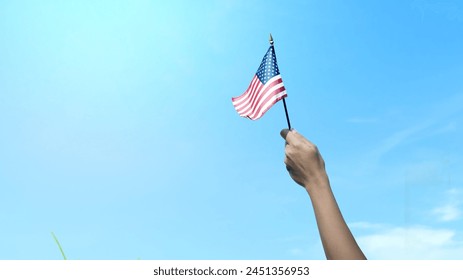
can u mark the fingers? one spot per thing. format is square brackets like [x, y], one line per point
[292, 137]
[287, 163]
[284, 132]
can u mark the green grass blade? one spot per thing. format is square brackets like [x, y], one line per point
[59, 245]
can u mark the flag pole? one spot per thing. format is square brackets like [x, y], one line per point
[286, 112]
[284, 102]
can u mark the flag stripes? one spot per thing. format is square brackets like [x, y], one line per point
[258, 98]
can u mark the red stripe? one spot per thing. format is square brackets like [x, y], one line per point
[258, 108]
[255, 101]
[257, 113]
[268, 108]
[254, 88]
[259, 103]
[257, 97]
[253, 110]
[242, 97]
[246, 103]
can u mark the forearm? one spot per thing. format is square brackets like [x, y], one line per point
[307, 168]
[337, 240]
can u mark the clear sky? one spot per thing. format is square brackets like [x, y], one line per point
[118, 134]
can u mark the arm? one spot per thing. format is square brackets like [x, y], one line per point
[307, 168]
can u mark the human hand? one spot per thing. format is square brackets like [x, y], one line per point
[303, 160]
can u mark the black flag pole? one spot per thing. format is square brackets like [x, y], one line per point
[286, 112]
[284, 102]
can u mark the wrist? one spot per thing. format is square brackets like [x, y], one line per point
[317, 184]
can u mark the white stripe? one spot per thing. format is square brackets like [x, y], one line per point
[261, 99]
[248, 91]
[252, 95]
[245, 106]
[256, 88]
[268, 105]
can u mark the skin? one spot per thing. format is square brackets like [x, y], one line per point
[307, 168]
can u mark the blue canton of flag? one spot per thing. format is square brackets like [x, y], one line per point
[266, 89]
[268, 67]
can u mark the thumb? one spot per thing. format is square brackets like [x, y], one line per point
[284, 132]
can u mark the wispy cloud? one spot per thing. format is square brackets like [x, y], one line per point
[398, 138]
[447, 213]
[383, 241]
[414, 242]
[450, 209]
[440, 119]
[366, 225]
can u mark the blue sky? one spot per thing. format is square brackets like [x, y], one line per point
[118, 134]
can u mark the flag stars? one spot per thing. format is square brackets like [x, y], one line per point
[268, 68]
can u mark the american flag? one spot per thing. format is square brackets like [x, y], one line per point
[266, 89]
